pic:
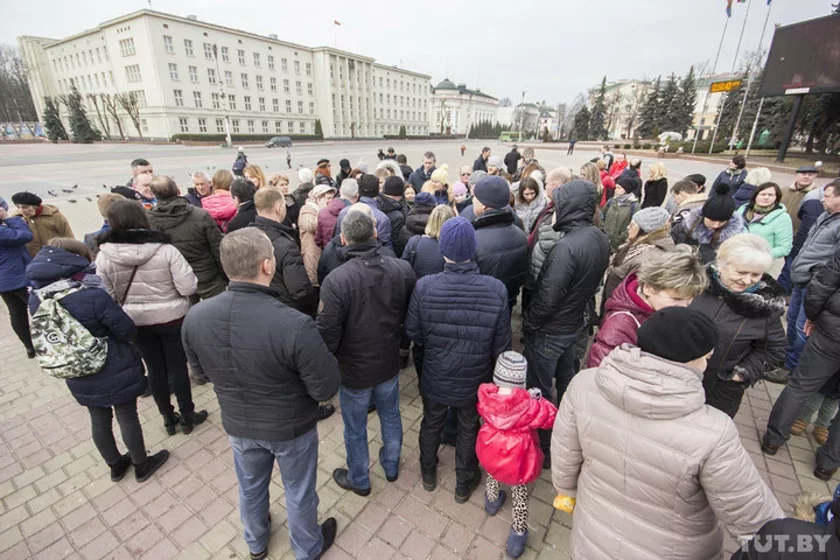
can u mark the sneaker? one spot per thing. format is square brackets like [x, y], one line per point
[464, 491]
[820, 434]
[325, 411]
[119, 469]
[147, 468]
[824, 474]
[429, 480]
[191, 420]
[30, 353]
[328, 530]
[340, 478]
[515, 545]
[260, 555]
[768, 448]
[492, 508]
[778, 375]
[387, 477]
[799, 427]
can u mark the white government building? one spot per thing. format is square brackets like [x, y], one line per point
[455, 108]
[196, 77]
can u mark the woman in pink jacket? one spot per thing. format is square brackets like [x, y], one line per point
[220, 205]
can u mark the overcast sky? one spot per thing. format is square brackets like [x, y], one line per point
[554, 49]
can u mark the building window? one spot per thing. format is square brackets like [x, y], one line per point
[285, 86]
[208, 51]
[235, 123]
[265, 127]
[228, 78]
[310, 89]
[144, 124]
[211, 76]
[188, 47]
[261, 102]
[247, 102]
[276, 105]
[96, 77]
[259, 83]
[273, 82]
[311, 108]
[288, 105]
[271, 62]
[332, 72]
[197, 99]
[291, 127]
[214, 97]
[104, 80]
[298, 88]
[232, 102]
[241, 56]
[380, 81]
[251, 126]
[132, 73]
[297, 68]
[126, 49]
[278, 127]
[225, 54]
[303, 128]
[185, 124]
[99, 55]
[244, 80]
[202, 125]
[220, 125]
[308, 68]
[167, 45]
[140, 95]
[256, 60]
[284, 64]
[173, 72]
[300, 107]
[194, 74]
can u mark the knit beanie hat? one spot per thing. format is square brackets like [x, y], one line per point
[441, 175]
[459, 189]
[497, 162]
[457, 239]
[627, 183]
[344, 164]
[476, 177]
[424, 199]
[394, 186]
[720, 206]
[651, 219]
[678, 334]
[368, 185]
[510, 371]
[26, 198]
[492, 191]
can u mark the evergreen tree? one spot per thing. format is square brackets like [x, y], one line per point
[687, 99]
[669, 103]
[319, 132]
[649, 115]
[597, 130]
[83, 132]
[582, 120]
[52, 121]
[403, 134]
[546, 135]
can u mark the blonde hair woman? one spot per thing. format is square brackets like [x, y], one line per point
[440, 183]
[423, 251]
[590, 172]
[254, 173]
[656, 188]
[279, 181]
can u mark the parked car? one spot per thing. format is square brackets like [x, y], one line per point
[279, 142]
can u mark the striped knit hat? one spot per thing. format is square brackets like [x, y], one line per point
[510, 370]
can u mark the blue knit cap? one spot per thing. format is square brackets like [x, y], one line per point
[457, 240]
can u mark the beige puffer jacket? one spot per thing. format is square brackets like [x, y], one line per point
[652, 467]
[164, 280]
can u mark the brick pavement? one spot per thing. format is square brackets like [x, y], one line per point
[57, 500]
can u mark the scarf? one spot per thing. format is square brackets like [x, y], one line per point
[752, 289]
[756, 212]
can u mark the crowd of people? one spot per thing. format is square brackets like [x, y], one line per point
[647, 309]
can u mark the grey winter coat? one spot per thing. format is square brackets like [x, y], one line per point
[822, 241]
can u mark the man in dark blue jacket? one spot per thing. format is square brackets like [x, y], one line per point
[462, 319]
[14, 235]
[734, 175]
[480, 163]
[424, 172]
[269, 369]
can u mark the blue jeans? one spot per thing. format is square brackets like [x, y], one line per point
[298, 462]
[354, 412]
[795, 325]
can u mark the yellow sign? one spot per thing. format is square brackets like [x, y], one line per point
[729, 85]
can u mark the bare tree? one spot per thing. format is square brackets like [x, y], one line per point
[112, 107]
[505, 102]
[613, 109]
[101, 115]
[131, 105]
[15, 98]
[442, 114]
[633, 106]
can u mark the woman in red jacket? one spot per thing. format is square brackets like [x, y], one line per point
[669, 279]
[507, 445]
[607, 181]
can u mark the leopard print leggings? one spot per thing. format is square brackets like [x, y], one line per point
[520, 502]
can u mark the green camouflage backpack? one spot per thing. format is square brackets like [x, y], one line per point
[64, 347]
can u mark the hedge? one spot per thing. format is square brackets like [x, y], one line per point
[239, 137]
[424, 137]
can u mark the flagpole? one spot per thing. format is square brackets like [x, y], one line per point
[712, 73]
[761, 103]
[731, 72]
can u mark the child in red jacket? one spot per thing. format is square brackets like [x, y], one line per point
[507, 445]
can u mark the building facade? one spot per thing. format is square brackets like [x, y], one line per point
[455, 108]
[195, 77]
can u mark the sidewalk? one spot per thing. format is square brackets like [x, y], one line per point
[57, 500]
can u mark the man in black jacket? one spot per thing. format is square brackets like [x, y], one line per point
[560, 303]
[269, 369]
[242, 191]
[392, 203]
[290, 281]
[361, 315]
[193, 232]
[512, 160]
[502, 246]
[819, 363]
[480, 162]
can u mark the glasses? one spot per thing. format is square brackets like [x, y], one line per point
[466, 174]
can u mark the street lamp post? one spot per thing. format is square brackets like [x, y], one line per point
[222, 96]
[522, 114]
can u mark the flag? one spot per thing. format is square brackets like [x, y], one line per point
[338, 23]
[728, 8]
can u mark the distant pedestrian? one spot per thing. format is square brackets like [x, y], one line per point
[734, 175]
[463, 150]
[240, 162]
[406, 170]
[344, 170]
[571, 149]
[289, 159]
[512, 160]
[268, 398]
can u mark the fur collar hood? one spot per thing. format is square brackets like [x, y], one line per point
[766, 301]
[703, 235]
[134, 237]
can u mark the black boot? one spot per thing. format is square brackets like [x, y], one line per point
[147, 468]
[119, 468]
[189, 421]
[325, 411]
[30, 352]
[170, 422]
